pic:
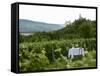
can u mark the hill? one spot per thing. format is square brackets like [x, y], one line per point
[28, 26]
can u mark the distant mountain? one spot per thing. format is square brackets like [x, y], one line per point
[27, 26]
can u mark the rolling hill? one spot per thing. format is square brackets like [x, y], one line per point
[28, 26]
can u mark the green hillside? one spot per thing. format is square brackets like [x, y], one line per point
[49, 50]
[80, 28]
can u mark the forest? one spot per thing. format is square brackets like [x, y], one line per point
[49, 50]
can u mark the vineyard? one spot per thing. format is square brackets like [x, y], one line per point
[53, 55]
[49, 50]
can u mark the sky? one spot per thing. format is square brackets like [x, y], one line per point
[55, 15]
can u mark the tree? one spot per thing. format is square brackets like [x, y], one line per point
[86, 30]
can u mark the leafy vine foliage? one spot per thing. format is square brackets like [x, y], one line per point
[49, 50]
